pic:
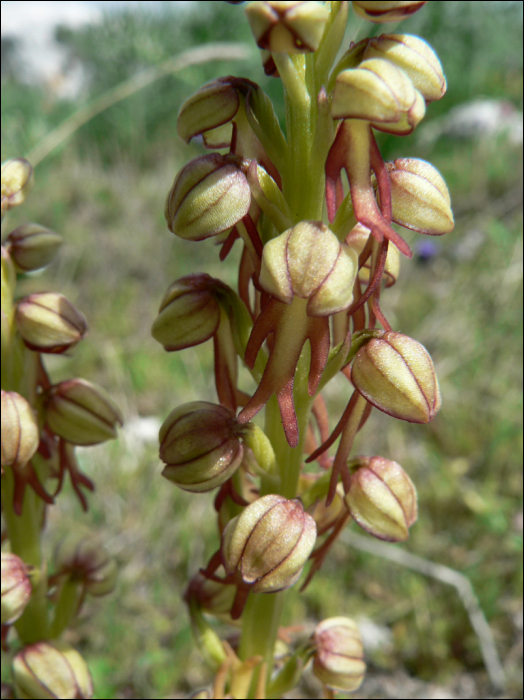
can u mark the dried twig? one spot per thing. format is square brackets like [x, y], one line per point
[453, 578]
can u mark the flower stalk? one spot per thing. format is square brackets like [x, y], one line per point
[41, 425]
[318, 252]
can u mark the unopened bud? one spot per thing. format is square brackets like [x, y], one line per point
[213, 597]
[381, 12]
[32, 246]
[48, 322]
[189, 313]
[211, 107]
[20, 434]
[87, 562]
[17, 182]
[382, 499]
[415, 57]
[326, 516]
[200, 445]
[379, 92]
[16, 587]
[288, 27]
[396, 374]
[48, 670]
[419, 197]
[269, 543]
[309, 261]
[209, 195]
[339, 654]
[357, 239]
[81, 413]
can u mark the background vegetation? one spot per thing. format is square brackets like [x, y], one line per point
[103, 189]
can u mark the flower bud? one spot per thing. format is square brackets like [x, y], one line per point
[209, 195]
[326, 516]
[415, 57]
[87, 562]
[33, 246]
[81, 413]
[357, 239]
[419, 197]
[269, 543]
[211, 106]
[16, 588]
[51, 670]
[380, 93]
[395, 373]
[309, 261]
[288, 27]
[48, 322]
[381, 12]
[17, 182]
[339, 656]
[200, 446]
[213, 597]
[20, 434]
[382, 499]
[189, 313]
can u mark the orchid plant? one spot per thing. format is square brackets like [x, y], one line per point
[42, 423]
[312, 206]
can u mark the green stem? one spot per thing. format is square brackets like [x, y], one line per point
[303, 184]
[262, 615]
[66, 607]
[24, 537]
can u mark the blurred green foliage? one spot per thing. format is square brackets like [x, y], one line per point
[104, 191]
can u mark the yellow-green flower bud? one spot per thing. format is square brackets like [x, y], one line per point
[419, 197]
[339, 654]
[213, 597]
[357, 239]
[20, 434]
[48, 670]
[379, 92]
[17, 182]
[81, 413]
[381, 12]
[287, 27]
[416, 58]
[382, 499]
[211, 107]
[86, 562]
[189, 313]
[308, 261]
[16, 587]
[269, 543]
[200, 445]
[214, 104]
[32, 246]
[209, 195]
[326, 516]
[395, 373]
[48, 322]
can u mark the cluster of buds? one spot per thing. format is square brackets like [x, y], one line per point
[317, 251]
[42, 423]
